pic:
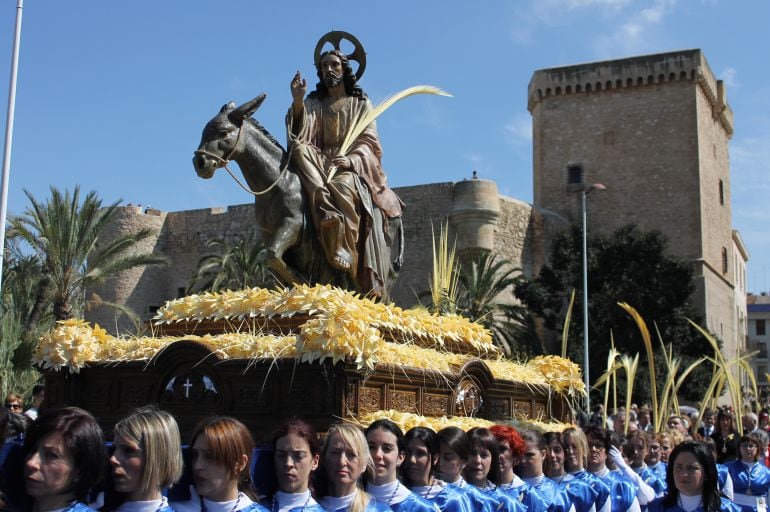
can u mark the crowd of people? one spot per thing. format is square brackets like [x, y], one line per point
[65, 464]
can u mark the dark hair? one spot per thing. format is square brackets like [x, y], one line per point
[456, 439]
[389, 426]
[37, 389]
[548, 438]
[301, 428]
[82, 438]
[709, 492]
[600, 434]
[348, 78]
[724, 413]
[479, 437]
[17, 424]
[427, 437]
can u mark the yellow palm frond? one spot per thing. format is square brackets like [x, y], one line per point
[645, 332]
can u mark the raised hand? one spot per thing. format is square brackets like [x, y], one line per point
[298, 87]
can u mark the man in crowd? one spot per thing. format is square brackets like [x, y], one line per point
[38, 395]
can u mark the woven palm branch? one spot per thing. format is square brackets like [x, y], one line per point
[369, 116]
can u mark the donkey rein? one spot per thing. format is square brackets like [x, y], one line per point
[226, 160]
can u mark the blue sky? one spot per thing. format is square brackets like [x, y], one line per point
[113, 95]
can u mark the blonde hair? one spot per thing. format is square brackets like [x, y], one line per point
[353, 438]
[157, 433]
[579, 437]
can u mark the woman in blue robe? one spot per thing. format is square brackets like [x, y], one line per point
[345, 458]
[511, 448]
[421, 459]
[531, 471]
[636, 448]
[296, 454]
[691, 483]
[579, 493]
[653, 459]
[221, 450]
[146, 459]
[483, 468]
[751, 479]
[387, 447]
[454, 450]
[64, 456]
[623, 492]
[575, 445]
[724, 480]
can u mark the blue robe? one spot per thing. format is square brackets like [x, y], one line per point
[660, 471]
[480, 502]
[623, 491]
[311, 507]
[722, 473]
[657, 506]
[527, 495]
[372, 506]
[653, 480]
[597, 484]
[254, 507]
[578, 492]
[164, 508]
[754, 482]
[78, 507]
[555, 498]
[505, 500]
[450, 500]
[413, 503]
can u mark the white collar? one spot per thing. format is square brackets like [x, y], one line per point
[535, 480]
[336, 503]
[287, 501]
[142, 506]
[390, 493]
[239, 503]
[690, 503]
[602, 472]
[429, 491]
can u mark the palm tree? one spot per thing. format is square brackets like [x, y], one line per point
[483, 282]
[65, 234]
[232, 266]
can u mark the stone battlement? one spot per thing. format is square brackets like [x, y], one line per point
[633, 72]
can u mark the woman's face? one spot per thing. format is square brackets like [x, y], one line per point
[213, 480]
[450, 465]
[127, 464]
[418, 463]
[343, 465]
[531, 463]
[555, 458]
[653, 454]
[479, 464]
[688, 474]
[294, 463]
[383, 446]
[665, 449]
[597, 454]
[749, 451]
[49, 469]
[573, 457]
[640, 452]
[507, 461]
[725, 423]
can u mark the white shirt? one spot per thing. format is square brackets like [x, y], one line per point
[287, 501]
[389, 494]
[142, 506]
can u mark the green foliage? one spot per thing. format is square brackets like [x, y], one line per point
[629, 266]
[65, 234]
[484, 282]
[232, 266]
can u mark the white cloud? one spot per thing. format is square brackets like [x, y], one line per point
[633, 33]
[519, 129]
[728, 75]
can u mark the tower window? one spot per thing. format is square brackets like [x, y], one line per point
[574, 174]
[721, 192]
[760, 327]
[724, 260]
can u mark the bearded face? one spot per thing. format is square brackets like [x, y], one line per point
[331, 70]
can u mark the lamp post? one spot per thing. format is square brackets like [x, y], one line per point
[583, 194]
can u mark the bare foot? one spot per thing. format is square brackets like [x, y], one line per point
[341, 263]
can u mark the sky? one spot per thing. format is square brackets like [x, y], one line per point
[112, 96]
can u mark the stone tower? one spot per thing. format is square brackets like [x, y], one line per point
[654, 129]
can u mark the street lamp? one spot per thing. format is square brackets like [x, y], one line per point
[583, 194]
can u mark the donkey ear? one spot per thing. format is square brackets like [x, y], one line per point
[227, 107]
[247, 109]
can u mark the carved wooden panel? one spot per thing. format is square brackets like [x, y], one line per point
[351, 397]
[434, 405]
[522, 409]
[498, 408]
[136, 393]
[250, 396]
[405, 401]
[538, 411]
[369, 399]
[96, 393]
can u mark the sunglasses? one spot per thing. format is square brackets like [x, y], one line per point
[13, 406]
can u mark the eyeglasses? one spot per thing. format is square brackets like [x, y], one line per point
[13, 406]
[596, 446]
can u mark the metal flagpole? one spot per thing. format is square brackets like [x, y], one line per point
[9, 134]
